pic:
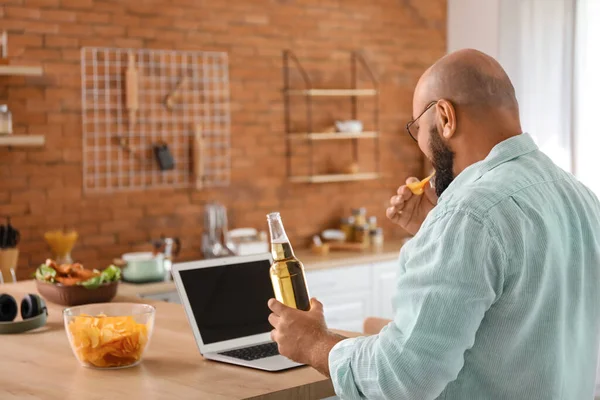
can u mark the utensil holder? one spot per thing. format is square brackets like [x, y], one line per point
[8, 261]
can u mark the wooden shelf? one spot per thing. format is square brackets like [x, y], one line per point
[22, 140]
[17, 70]
[333, 92]
[335, 178]
[356, 87]
[333, 136]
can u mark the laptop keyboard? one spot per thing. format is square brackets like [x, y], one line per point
[254, 352]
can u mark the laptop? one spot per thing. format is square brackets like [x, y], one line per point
[225, 300]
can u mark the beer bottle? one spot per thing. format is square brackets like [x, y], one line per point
[287, 272]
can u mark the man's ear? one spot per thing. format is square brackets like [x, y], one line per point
[446, 118]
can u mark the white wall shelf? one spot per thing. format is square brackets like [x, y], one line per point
[333, 136]
[333, 92]
[334, 178]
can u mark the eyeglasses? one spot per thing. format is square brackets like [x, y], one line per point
[410, 123]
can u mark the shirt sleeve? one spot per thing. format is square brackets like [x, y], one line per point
[450, 275]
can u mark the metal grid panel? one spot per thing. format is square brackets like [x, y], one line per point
[203, 102]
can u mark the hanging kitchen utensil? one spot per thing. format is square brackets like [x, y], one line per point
[132, 82]
[4, 45]
[132, 102]
[175, 93]
[198, 155]
[164, 157]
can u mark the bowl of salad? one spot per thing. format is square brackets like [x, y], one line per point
[72, 284]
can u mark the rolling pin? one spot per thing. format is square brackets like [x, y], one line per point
[4, 44]
[131, 90]
[198, 157]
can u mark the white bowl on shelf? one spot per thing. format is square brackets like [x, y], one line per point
[333, 235]
[349, 126]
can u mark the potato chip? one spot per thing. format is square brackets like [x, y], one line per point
[108, 342]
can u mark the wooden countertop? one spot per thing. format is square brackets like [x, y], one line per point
[41, 365]
[132, 289]
[311, 261]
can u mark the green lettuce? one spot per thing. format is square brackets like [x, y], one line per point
[45, 273]
[110, 274]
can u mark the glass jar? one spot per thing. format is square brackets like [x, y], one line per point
[372, 222]
[361, 235]
[376, 238]
[347, 226]
[5, 120]
[360, 216]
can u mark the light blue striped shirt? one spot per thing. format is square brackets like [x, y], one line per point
[498, 294]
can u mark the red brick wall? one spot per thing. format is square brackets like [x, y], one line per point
[42, 189]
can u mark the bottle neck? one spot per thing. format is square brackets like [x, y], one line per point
[276, 228]
[281, 248]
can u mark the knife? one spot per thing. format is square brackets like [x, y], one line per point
[12, 236]
[2, 236]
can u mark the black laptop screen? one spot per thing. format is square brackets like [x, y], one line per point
[229, 302]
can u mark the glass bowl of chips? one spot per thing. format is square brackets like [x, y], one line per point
[109, 335]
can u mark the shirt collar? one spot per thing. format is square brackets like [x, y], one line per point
[504, 151]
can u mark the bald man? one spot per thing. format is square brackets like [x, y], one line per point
[498, 293]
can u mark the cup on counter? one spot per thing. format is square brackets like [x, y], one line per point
[8, 264]
[61, 244]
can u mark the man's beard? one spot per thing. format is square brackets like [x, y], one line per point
[442, 161]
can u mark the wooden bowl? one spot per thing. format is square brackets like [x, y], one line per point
[76, 295]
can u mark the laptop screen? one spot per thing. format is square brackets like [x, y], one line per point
[229, 301]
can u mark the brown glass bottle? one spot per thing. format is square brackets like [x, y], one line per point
[287, 272]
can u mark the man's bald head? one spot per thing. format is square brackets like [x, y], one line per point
[468, 78]
[473, 108]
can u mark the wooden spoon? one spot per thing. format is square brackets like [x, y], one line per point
[419, 187]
